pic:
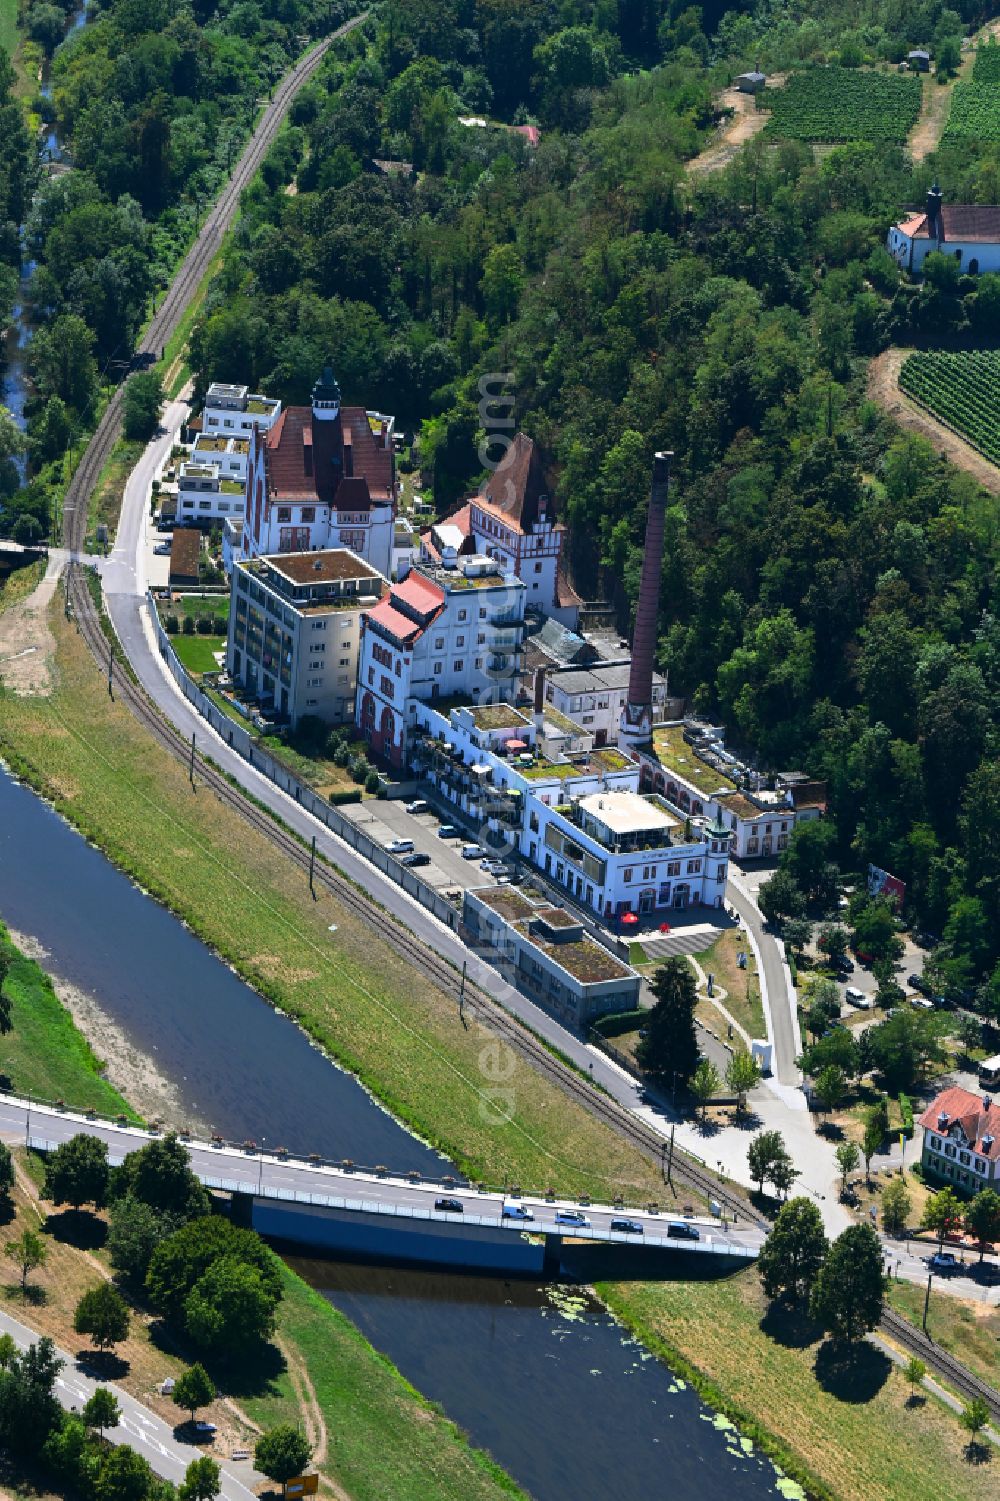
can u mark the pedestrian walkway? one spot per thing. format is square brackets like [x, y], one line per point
[688, 940]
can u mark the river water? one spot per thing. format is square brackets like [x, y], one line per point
[541, 1376]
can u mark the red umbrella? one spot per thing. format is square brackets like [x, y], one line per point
[630, 918]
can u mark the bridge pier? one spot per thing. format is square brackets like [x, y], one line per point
[552, 1260]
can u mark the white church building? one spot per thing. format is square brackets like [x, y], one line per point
[968, 232]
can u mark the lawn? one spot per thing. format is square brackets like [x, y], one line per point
[196, 652]
[44, 1054]
[852, 1428]
[741, 985]
[216, 605]
[363, 1002]
[317, 771]
[106, 500]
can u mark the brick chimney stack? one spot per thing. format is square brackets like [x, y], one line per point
[637, 716]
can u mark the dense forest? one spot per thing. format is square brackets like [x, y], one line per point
[830, 585]
[152, 100]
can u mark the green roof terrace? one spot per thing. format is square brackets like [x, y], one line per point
[675, 754]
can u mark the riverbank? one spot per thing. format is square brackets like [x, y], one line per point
[136, 803]
[45, 1054]
[369, 1010]
[375, 1435]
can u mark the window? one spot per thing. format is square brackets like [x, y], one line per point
[964, 1158]
[480, 639]
[459, 640]
[627, 873]
[311, 703]
[482, 613]
[463, 614]
[538, 567]
[371, 674]
[204, 505]
[479, 663]
[319, 625]
[437, 669]
[308, 513]
[458, 665]
[720, 874]
[936, 1142]
[344, 662]
[439, 643]
[694, 867]
[315, 682]
[674, 868]
[284, 513]
[398, 669]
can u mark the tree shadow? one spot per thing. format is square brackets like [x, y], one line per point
[33, 1295]
[7, 1210]
[104, 1365]
[185, 1432]
[916, 1399]
[830, 1130]
[244, 1376]
[791, 1325]
[851, 1372]
[706, 1126]
[746, 1120]
[978, 1453]
[78, 1228]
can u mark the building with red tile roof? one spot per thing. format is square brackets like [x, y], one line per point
[961, 1142]
[323, 476]
[513, 521]
[443, 631]
[969, 233]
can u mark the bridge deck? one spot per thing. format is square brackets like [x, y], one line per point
[327, 1186]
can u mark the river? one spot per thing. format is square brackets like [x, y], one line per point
[557, 1391]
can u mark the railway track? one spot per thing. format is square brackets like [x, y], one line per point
[165, 320]
[431, 965]
[967, 1385]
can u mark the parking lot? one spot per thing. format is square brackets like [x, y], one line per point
[385, 821]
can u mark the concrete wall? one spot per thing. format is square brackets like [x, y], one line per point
[474, 1247]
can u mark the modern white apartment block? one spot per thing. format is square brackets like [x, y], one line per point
[236, 411]
[294, 630]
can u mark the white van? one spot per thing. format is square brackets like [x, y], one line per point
[472, 851]
[400, 846]
[855, 997]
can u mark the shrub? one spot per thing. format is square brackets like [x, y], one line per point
[188, 626]
[205, 625]
[372, 781]
[345, 795]
[171, 625]
[906, 1111]
[619, 1022]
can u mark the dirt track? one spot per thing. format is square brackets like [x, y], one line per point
[883, 387]
[747, 121]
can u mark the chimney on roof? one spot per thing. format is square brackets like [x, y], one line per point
[637, 715]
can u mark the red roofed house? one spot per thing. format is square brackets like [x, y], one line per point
[513, 520]
[962, 1140]
[443, 631]
[968, 232]
[322, 476]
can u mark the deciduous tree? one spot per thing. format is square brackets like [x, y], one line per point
[982, 1219]
[27, 1252]
[943, 1214]
[282, 1453]
[705, 1083]
[77, 1172]
[742, 1075]
[848, 1292]
[848, 1157]
[793, 1253]
[896, 1206]
[202, 1480]
[103, 1314]
[194, 1389]
[101, 1410]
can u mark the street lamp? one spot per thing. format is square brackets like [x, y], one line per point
[260, 1173]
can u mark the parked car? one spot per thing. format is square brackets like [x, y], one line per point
[449, 831]
[516, 1212]
[471, 851]
[626, 1227]
[928, 940]
[920, 1003]
[943, 1261]
[203, 1427]
[916, 982]
[417, 858]
[417, 806]
[571, 1217]
[166, 523]
[449, 1206]
[400, 846]
[855, 997]
[681, 1230]
[163, 548]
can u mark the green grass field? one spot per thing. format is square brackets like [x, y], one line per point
[196, 651]
[851, 1425]
[43, 1054]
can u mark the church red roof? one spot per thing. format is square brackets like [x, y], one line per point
[976, 222]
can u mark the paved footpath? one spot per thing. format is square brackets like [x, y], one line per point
[153, 1438]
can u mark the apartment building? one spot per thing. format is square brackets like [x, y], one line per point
[294, 631]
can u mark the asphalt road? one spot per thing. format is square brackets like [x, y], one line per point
[779, 1001]
[266, 1176]
[154, 1439]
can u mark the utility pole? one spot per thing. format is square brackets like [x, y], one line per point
[461, 991]
[670, 1158]
[111, 667]
[927, 1300]
[312, 866]
[191, 762]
